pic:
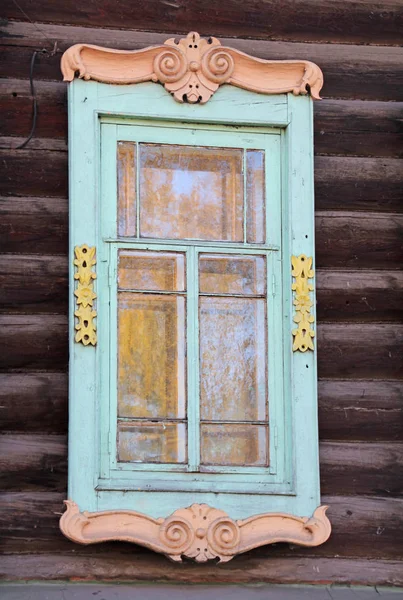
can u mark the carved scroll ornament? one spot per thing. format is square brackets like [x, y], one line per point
[199, 532]
[85, 295]
[192, 69]
[302, 271]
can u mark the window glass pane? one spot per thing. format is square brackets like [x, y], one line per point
[151, 355]
[232, 274]
[232, 359]
[163, 271]
[126, 189]
[191, 192]
[243, 445]
[152, 442]
[255, 193]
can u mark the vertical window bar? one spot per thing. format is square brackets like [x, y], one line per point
[244, 174]
[193, 409]
[137, 167]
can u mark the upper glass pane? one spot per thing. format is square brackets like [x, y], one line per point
[191, 193]
[244, 275]
[163, 271]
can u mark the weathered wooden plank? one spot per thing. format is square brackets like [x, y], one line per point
[40, 342]
[369, 73]
[348, 240]
[362, 410]
[360, 351]
[356, 128]
[34, 225]
[245, 569]
[33, 283]
[363, 21]
[363, 527]
[38, 462]
[367, 184]
[360, 295]
[33, 462]
[362, 468]
[33, 172]
[33, 342]
[34, 402]
[342, 127]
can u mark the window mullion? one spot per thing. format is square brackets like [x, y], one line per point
[193, 360]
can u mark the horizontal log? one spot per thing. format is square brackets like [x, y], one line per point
[365, 72]
[34, 342]
[342, 127]
[34, 283]
[361, 527]
[363, 21]
[359, 240]
[34, 402]
[245, 569]
[349, 410]
[360, 351]
[33, 462]
[362, 410]
[37, 462]
[365, 184]
[361, 468]
[360, 295]
[34, 172]
[40, 342]
[31, 283]
[34, 225]
[357, 128]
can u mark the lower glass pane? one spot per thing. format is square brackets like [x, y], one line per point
[236, 445]
[151, 356]
[233, 359]
[152, 442]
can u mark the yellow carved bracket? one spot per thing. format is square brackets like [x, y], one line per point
[85, 295]
[302, 271]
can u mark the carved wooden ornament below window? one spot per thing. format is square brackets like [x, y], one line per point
[192, 69]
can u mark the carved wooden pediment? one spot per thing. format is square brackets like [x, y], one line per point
[200, 532]
[192, 69]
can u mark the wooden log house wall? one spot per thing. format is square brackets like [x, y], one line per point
[359, 218]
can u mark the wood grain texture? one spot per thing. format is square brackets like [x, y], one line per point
[361, 410]
[365, 72]
[33, 342]
[247, 569]
[31, 522]
[33, 283]
[360, 21]
[37, 462]
[34, 172]
[34, 402]
[342, 127]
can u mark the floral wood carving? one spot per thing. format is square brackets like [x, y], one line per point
[192, 69]
[303, 334]
[199, 532]
[85, 295]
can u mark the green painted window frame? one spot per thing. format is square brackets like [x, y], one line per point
[100, 115]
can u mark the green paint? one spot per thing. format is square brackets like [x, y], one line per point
[99, 116]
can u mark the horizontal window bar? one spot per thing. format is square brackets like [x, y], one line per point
[254, 248]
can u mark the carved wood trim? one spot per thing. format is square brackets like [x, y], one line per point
[85, 274]
[192, 69]
[302, 271]
[200, 531]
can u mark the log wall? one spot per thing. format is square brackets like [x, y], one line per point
[359, 192]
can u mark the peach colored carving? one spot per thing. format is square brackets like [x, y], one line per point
[199, 532]
[192, 69]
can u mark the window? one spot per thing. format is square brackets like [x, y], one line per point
[184, 386]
